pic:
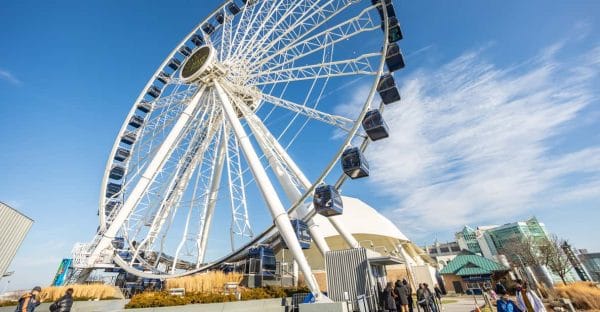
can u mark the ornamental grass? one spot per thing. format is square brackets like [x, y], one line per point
[82, 292]
[583, 295]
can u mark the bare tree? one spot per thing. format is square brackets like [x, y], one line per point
[522, 251]
[553, 257]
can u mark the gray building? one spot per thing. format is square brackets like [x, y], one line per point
[591, 261]
[13, 229]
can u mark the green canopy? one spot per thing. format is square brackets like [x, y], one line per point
[468, 263]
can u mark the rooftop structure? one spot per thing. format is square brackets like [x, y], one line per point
[13, 229]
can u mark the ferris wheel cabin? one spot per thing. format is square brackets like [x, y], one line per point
[327, 201]
[393, 57]
[233, 8]
[354, 163]
[387, 89]
[375, 126]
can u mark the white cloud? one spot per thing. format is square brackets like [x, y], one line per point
[471, 143]
[8, 76]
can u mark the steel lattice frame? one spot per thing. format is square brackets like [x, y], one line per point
[192, 131]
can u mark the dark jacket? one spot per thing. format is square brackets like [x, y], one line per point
[388, 299]
[27, 303]
[402, 293]
[64, 303]
[500, 289]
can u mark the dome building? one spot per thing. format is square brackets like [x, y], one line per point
[378, 235]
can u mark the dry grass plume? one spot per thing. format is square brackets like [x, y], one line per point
[209, 282]
[82, 292]
[584, 295]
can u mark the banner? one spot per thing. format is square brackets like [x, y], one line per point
[61, 273]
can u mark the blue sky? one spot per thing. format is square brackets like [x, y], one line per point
[499, 119]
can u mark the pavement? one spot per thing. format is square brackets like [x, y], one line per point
[462, 304]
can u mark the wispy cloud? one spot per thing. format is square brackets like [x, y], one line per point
[472, 143]
[9, 77]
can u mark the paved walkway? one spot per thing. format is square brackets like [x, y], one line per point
[464, 304]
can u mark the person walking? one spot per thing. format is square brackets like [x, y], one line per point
[29, 301]
[423, 298]
[500, 289]
[438, 293]
[504, 304]
[408, 290]
[431, 295]
[389, 302]
[64, 303]
[527, 300]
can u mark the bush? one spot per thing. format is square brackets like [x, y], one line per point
[82, 292]
[584, 295]
[163, 299]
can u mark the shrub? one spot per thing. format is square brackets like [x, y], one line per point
[163, 299]
[82, 292]
[584, 295]
[205, 282]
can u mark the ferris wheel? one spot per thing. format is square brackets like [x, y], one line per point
[214, 138]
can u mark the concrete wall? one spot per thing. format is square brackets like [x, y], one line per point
[267, 305]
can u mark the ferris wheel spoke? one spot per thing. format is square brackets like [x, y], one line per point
[240, 223]
[146, 178]
[210, 200]
[340, 122]
[304, 26]
[184, 169]
[258, 12]
[264, 22]
[300, 10]
[276, 22]
[205, 177]
[331, 36]
[365, 64]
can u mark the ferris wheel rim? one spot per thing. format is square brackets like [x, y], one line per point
[351, 134]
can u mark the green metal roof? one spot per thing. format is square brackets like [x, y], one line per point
[468, 263]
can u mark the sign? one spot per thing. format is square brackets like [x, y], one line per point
[61, 273]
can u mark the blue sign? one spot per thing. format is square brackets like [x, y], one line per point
[61, 273]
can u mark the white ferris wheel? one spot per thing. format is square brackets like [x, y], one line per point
[212, 134]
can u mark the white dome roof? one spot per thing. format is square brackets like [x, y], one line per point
[360, 218]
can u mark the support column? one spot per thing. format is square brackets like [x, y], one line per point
[280, 217]
[335, 221]
[261, 134]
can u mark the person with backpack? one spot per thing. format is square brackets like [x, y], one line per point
[29, 301]
[64, 303]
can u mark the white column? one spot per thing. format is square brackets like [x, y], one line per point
[335, 221]
[155, 166]
[261, 134]
[280, 217]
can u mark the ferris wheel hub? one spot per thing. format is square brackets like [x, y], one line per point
[201, 65]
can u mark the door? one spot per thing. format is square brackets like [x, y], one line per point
[458, 287]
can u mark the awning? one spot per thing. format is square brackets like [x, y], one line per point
[385, 260]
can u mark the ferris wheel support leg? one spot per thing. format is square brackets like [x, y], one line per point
[337, 224]
[212, 199]
[263, 136]
[146, 178]
[280, 217]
